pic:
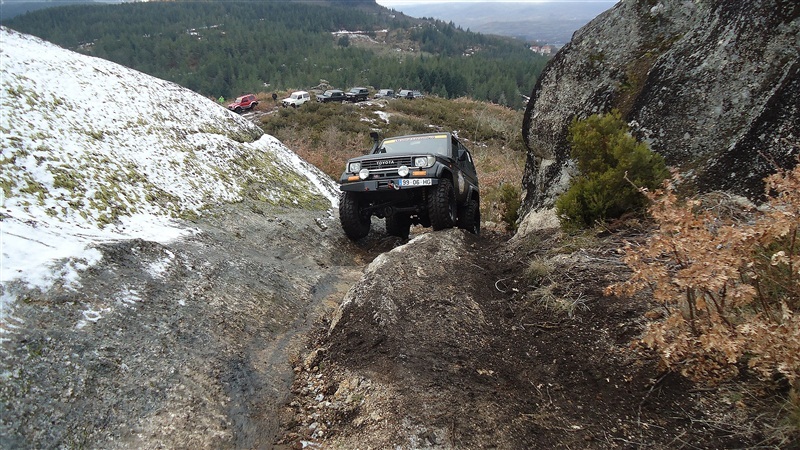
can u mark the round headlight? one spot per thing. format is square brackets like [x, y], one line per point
[354, 167]
[363, 174]
[402, 171]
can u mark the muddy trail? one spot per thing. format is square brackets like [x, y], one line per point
[268, 328]
[452, 341]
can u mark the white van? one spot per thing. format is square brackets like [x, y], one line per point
[296, 99]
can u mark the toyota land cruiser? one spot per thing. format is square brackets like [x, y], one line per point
[425, 179]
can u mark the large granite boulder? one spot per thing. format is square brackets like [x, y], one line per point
[713, 86]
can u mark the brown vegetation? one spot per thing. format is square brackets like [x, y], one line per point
[728, 280]
[326, 135]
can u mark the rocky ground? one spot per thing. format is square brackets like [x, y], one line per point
[182, 345]
[269, 329]
[453, 341]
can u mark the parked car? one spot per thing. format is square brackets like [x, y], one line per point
[357, 94]
[331, 95]
[296, 99]
[409, 94]
[243, 103]
[426, 179]
[385, 93]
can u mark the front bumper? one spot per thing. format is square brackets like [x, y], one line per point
[383, 185]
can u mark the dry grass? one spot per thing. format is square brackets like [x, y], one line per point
[327, 135]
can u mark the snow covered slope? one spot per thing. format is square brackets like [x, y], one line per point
[93, 151]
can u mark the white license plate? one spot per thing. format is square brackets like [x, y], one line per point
[416, 182]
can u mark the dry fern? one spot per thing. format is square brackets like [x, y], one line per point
[729, 282]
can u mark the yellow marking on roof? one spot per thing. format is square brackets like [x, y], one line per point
[414, 138]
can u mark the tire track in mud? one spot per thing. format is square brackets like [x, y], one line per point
[261, 379]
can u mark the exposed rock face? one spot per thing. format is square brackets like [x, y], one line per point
[713, 86]
[120, 328]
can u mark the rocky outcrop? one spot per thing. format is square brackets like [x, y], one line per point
[159, 256]
[713, 86]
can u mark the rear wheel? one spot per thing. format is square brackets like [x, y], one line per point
[470, 218]
[442, 207]
[398, 225]
[354, 224]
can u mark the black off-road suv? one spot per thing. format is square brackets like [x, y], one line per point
[425, 179]
[357, 94]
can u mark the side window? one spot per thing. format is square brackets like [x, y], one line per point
[470, 164]
[466, 163]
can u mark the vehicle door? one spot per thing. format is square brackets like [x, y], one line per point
[467, 175]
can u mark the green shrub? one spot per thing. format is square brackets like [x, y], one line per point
[510, 199]
[612, 165]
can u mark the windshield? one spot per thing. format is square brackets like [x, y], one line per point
[436, 143]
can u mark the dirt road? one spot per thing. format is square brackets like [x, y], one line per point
[461, 343]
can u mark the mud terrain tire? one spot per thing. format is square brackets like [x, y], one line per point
[354, 224]
[442, 207]
[469, 218]
[398, 225]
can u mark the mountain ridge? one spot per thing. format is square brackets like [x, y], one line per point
[230, 48]
[544, 23]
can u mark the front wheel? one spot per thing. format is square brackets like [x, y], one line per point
[442, 207]
[398, 225]
[470, 218]
[354, 224]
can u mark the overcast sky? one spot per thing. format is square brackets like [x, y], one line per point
[392, 3]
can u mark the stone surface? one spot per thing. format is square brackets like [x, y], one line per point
[713, 86]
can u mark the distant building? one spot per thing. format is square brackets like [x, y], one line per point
[543, 49]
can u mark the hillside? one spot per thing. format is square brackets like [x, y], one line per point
[226, 49]
[327, 135]
[77, 173]
[126, 234]
[184, 299]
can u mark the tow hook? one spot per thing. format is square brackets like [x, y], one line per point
[394, 186]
